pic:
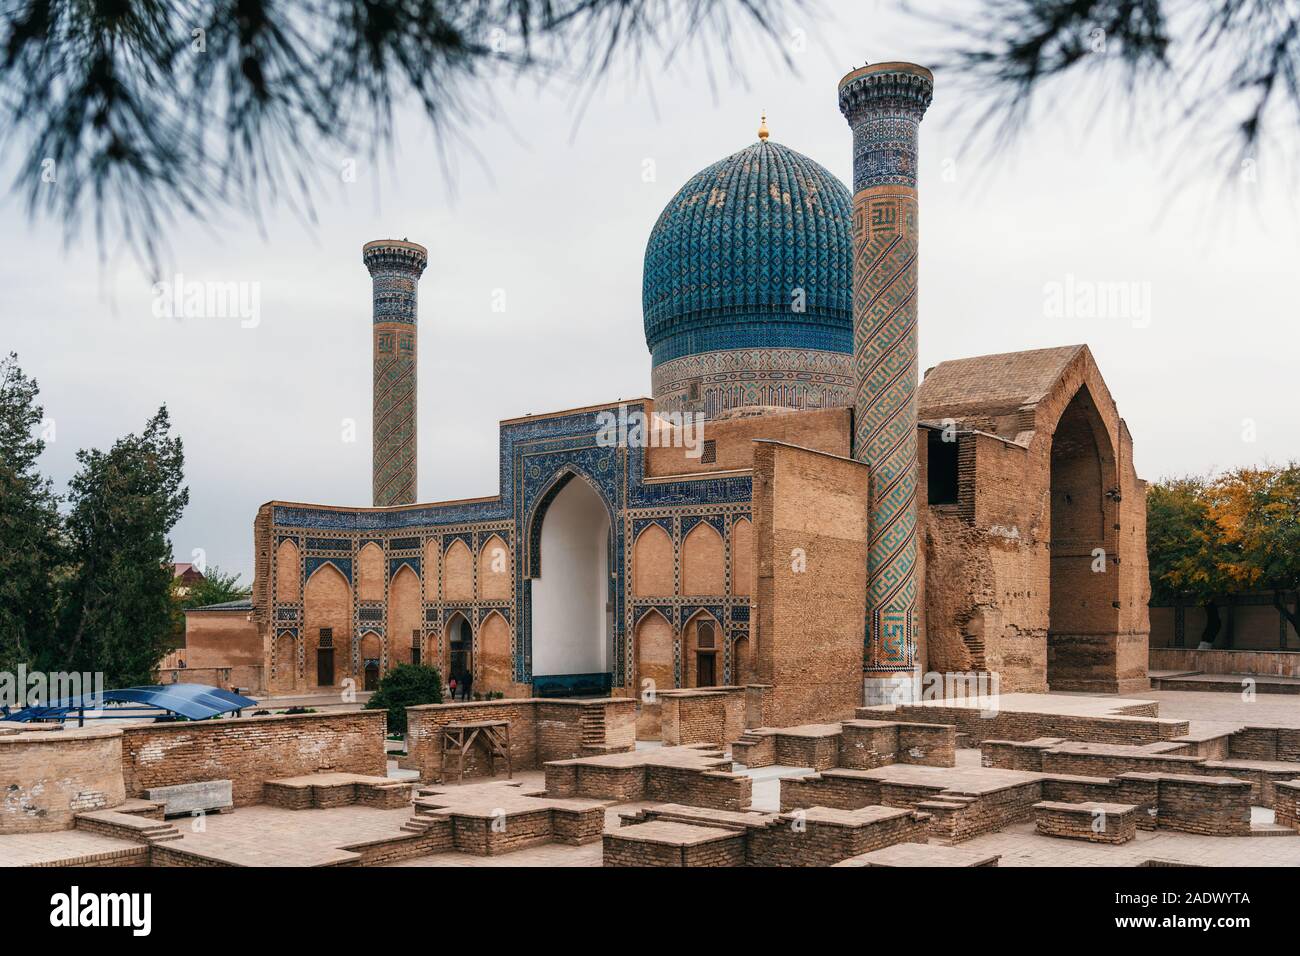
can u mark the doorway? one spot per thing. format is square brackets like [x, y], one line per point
[460, 659]
[570, 587]
[325, 658]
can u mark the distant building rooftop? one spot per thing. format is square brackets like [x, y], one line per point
[242, 604]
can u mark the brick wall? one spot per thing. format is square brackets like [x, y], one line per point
[810, 529]
[1094, 822]
[1209, 805]
[1026, 725]
[251, 750]
[540, 730]
[1286, 804]
[693, 717]
[931, 745]
[48, 777]
[721, 791]
[1265, 743]
[797, 841]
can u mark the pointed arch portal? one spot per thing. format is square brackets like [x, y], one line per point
[570, 587]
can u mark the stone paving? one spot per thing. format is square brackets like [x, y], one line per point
[1217, 710]
[38, 849]
[270, 836]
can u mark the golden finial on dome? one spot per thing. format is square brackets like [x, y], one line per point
[762, 128]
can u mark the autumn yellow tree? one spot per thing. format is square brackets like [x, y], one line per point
[1257, 511]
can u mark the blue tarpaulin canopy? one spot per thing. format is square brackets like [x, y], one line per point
[195, 701]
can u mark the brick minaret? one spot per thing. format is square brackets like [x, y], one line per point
[883, 104]
[395, 266]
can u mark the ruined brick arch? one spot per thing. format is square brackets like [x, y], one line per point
[495, 664]
[285, 669]
[404, 613]
[703, 564]
[653, 647]
[288, 576]
[495, 582]
[742, 556]
[697, 655]
[370, 573]
[458, 572]
[327, 603]
[1083, 620]
[652, 563]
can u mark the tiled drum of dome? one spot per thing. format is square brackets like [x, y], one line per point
[884, 104]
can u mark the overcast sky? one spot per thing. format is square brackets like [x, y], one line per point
[557, 215]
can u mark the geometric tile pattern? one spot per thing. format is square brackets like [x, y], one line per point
[884, 105]
[716, 382]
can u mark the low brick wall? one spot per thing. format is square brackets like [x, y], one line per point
[478, 836]
[540, 730]
[1265, 743]
[666, 844]
[1087, 763]
[830, 788]
[711, 788]
[1111, 760]
[826, 837]
[1028, 725]
[1016, 754]
[1286, 804]
[819, 751]
[1094, 822]
[930, 745]
[953, 817]
[705, 715]
[380, 793]
[49, 776]
[248, 751]
[754, 750]
[956, 818]
[1211, 806]
[694, 716]
[1263, 663]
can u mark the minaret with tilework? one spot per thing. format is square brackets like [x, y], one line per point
[884, 103]
[395, 267]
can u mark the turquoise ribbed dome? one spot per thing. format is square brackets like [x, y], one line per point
[730, 250]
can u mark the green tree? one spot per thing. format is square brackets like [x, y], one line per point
[1187, 552]
[217, 587]
[30, 540]
[406, 685]
[124, 502]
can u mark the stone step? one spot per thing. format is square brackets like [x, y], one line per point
[1270, 830]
